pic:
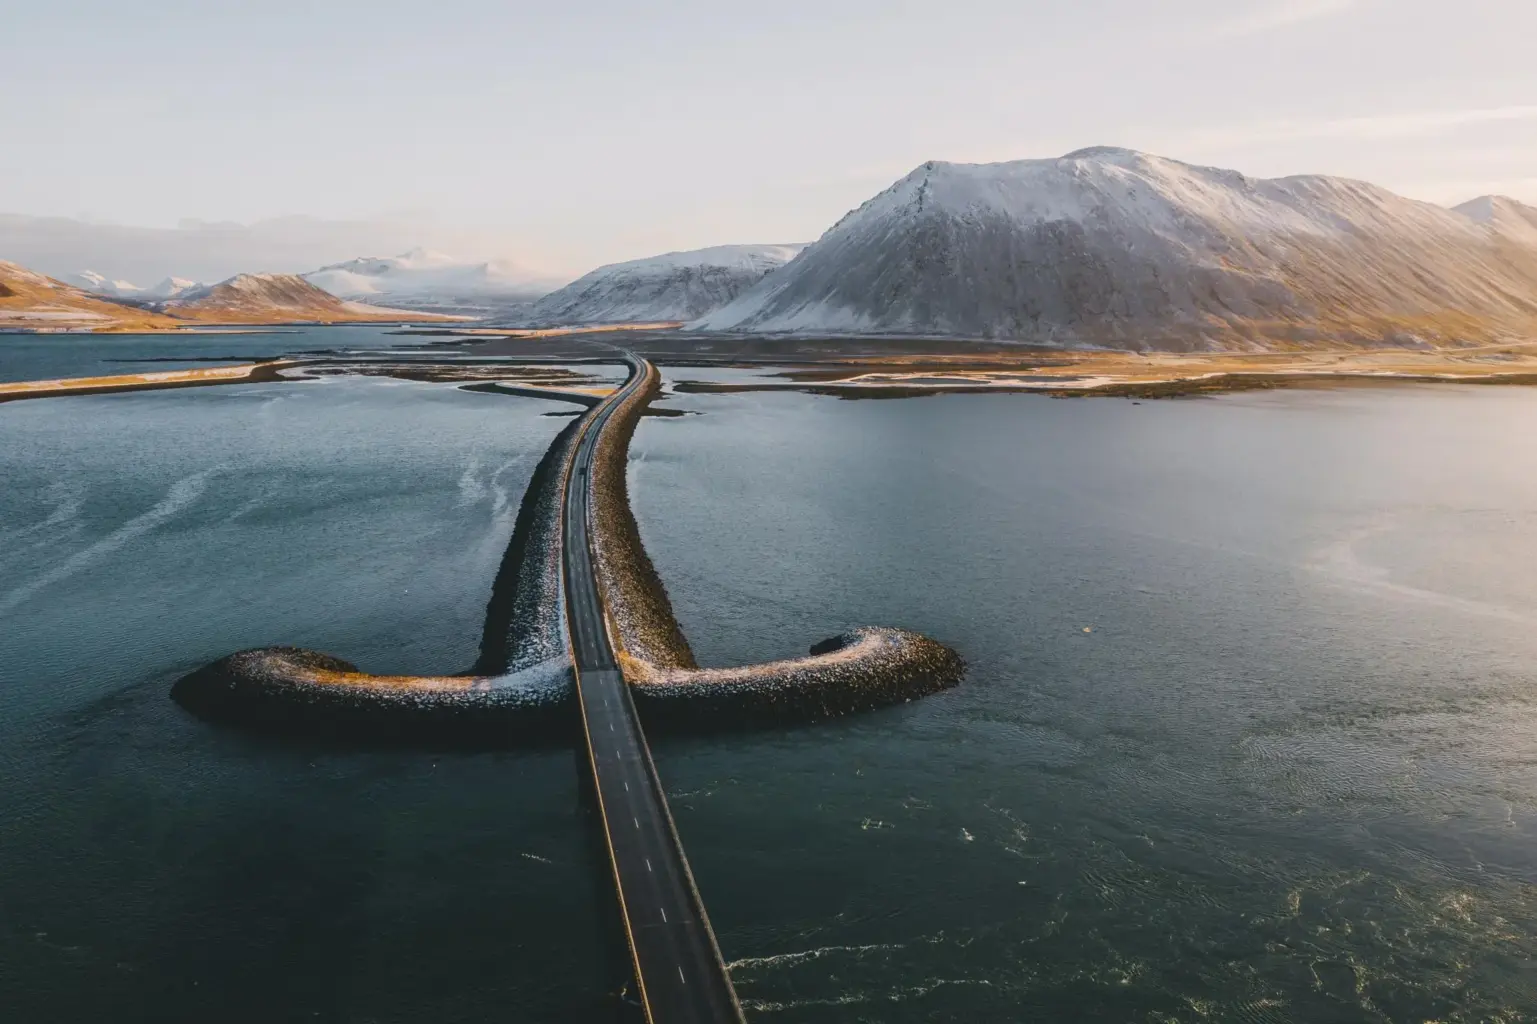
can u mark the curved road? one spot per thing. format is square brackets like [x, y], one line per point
[677, 963]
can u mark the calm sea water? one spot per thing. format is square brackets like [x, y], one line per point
[1248, 732]
[49, 356]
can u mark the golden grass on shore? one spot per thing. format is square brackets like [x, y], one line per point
[1115, 372]
[239, 374]
[556, 332]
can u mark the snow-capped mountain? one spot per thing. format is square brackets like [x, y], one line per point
[275, 298]
[99, 284]
[170, 288]
[422, 278]
[31, 301]
[1113, 247]
[674, 286]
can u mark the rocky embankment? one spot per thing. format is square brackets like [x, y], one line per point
[521, 685]
[519, 688]
[859, 670]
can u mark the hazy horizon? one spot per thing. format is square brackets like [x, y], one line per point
[564, 139]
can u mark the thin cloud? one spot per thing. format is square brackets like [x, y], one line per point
[1275, 16]
[1377, 127]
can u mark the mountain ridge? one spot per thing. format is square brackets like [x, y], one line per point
[1115, 248]
[426, 279]
[35, 302]
[671, 286]
[272, 298]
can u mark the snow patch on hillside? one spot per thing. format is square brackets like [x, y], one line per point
[671, 286]
[1111, 246]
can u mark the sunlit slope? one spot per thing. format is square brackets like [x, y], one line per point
[673, 286]
[32, 301]
[1119, 248]
[277, 298]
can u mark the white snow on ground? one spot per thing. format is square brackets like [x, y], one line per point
[369, 309]
[1111, 246]
[672, 286]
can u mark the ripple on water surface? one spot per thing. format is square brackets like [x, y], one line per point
[1245, 733]
[157, 868]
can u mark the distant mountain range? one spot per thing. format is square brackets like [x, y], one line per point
[676, 286]
[205, 250]
[169, 288]
[423, 279]
[1110, 247]
[1103, 247]
[34, 302]
[275, 298]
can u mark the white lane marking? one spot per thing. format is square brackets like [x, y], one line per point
[648, 863]
[681, 977]
[664, 915]
[626, 787]
[636, 820]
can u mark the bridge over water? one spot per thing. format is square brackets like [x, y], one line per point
[678, 967]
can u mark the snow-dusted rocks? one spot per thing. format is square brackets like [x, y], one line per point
[674, 286]
[1113, 247]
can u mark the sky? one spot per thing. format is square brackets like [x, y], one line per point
[565, 135]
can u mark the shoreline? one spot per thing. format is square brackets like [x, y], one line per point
[243, 373]
[1172, 387]
[876, 367]
[881, 368]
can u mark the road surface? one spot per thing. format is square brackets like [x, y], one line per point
[677, 965]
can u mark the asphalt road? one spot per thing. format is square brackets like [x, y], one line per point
[677, 964]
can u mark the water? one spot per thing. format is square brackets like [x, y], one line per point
[50, 356]
[155, 869]
[1286, 775]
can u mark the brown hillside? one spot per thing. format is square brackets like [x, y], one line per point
[31, 301]
[279, 298]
